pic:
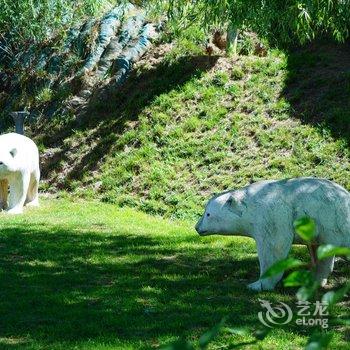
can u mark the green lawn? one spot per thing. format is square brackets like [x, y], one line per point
[93, 276]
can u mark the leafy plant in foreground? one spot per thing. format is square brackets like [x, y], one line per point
[305, 279]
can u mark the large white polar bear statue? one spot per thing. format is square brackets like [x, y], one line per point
[265, 211]
[19, 170]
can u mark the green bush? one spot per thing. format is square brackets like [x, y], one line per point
[283, 22]
[35, 20]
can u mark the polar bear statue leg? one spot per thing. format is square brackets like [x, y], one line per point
[32, 195]
[4, 190]
[19, 185]
[323, 269]
[269, 253]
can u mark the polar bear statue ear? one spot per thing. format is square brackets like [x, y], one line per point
[236, 205]
[13, 152]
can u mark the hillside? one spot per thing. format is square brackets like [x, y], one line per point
[186, 125]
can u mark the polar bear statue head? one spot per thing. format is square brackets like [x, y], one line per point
[8, 163]
[223, 215]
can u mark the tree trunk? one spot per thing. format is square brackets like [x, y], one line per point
[19, 118]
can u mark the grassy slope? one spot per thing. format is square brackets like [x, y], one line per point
[183, 128]
[108, 278]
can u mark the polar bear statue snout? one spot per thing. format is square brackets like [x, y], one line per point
[19, 173]
[198, 227]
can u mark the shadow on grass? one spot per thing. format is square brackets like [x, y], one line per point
[110, 111]
[59, 286]
[67, 287]
[318, 87]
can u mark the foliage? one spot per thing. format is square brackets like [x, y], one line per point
[36, 20]
[283, 22]
[305, 228]
[282, 266]
[306, 280]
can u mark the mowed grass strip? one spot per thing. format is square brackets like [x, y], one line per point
[87, 275]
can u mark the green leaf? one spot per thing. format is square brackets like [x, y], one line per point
[298, 278]
[306, 292]
[207, 337]
[178, 345]
[281, 266]
[329, 250]
[319, 341]
[334, 297]
[305, 227]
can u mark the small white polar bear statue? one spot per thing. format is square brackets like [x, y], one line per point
[266, 210]
[19, 172]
